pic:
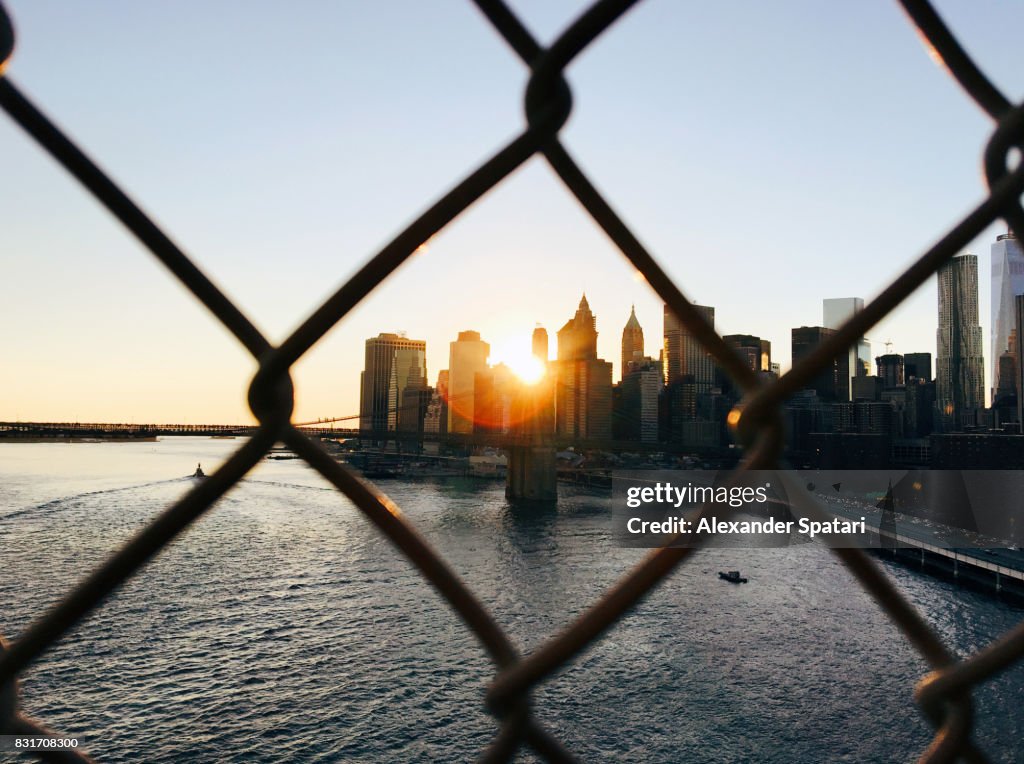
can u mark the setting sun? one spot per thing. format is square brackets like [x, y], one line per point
[515, 353]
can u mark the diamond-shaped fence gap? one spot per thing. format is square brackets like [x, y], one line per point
[541, 256]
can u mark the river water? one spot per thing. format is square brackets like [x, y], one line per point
[283, 627]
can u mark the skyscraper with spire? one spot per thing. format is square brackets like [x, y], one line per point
[583, 387]
[577, 340]
[632, 343]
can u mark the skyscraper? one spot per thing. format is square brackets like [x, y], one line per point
[833, 382]
[640, 392]
[408, 372]
[756, 352]
[435, 419]
[1018, 336]
[493, 392]
[375, 391]
[959, 365]
[467, 358]
[890, 369]
[1007, 283]
[540, 344]
[918, 365]
[836, 312]
[577, 340]
[683, 355]
[583, 389]
[632, 343]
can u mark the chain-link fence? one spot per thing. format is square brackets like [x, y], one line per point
[944, 694]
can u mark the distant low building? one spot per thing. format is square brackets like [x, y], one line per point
[851, 450]
[977, 451]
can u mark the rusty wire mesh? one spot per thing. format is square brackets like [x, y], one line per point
[944, 694]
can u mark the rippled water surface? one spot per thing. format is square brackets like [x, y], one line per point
[283, 627]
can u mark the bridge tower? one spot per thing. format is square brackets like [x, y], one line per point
[531, 472]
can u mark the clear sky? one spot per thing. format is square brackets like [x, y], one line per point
[768, 154]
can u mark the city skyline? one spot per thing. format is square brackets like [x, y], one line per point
[516, 350]
[845, 417]
[278, 205]
[679, 392]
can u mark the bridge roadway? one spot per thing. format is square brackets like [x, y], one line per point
[960, 551]
[43, 430]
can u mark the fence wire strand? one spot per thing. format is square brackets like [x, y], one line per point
[944, 694]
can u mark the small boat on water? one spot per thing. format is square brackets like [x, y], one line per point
[733, 577]
[199, 472]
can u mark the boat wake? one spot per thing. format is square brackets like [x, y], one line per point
[55, 505]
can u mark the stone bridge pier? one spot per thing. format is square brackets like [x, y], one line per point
[531, 472]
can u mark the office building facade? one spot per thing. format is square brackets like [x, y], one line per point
[836, 312]
[831, 383]
[378, 400]
[683, 356]
[917, 366]
[640, 393]
[467, 357]
[959, 365]
[890, 369]
[1007, 283]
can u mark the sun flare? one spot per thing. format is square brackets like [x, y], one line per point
[515, 353]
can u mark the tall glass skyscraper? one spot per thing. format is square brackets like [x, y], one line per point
[1007, 283]
[959, 364]
[836, 312]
